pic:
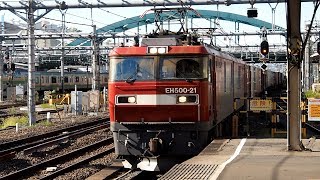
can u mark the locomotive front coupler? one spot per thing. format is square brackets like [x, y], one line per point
[155, 144]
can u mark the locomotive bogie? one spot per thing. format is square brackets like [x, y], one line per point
[173, 138]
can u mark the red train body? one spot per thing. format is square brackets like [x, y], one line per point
[166, 99]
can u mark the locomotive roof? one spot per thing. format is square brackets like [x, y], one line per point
[225, 55]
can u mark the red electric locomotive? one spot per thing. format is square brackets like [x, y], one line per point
[167, 95]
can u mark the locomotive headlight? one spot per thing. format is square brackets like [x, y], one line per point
[157, 49]
[187, 99]
[131, 99]
[126, 99]
[182, 99]
[153, 50]
[162, 50]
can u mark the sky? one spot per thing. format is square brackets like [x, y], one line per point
[106, 16]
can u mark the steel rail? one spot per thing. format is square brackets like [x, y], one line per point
[34, 146]
[312, 127]
[6, 106]
[65, 137]
[7, 115]
[18, 143]
[77, 164]
[109, 172]
[23, 173]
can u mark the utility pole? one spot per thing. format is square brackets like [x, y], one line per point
[63, 27]
[95, 61]
[294, 75]
[31, 65]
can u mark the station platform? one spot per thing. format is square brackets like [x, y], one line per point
[246, 159]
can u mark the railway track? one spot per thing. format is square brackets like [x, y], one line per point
[17, 114]
[8, 115]
[117, 172]
[6, 106]
[33, 143]
[31, 170]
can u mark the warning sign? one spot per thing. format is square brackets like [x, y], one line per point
[260, 105]
[313, 109]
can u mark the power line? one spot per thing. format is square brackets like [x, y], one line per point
[69, 22]
[85, 18]
[113, 13]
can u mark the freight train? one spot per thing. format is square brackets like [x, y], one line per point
[169, 94]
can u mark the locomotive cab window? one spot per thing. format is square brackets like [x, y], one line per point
[188, 68]
[132, 69]
[181, 68]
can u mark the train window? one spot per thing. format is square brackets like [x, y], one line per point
[173, 67]
[66, 79]
[37, 80]
[135, 68]
[77, 79]
[53, 79]
[47, 80]
[42, 79]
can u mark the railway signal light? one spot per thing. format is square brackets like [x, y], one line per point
[264, 48]
[252, 13]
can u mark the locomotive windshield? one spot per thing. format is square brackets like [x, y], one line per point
[183, 68]
[132, 68]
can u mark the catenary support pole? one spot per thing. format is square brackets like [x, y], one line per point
[31, 65]
[63, 28]
[95, 61]
[294, 75]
